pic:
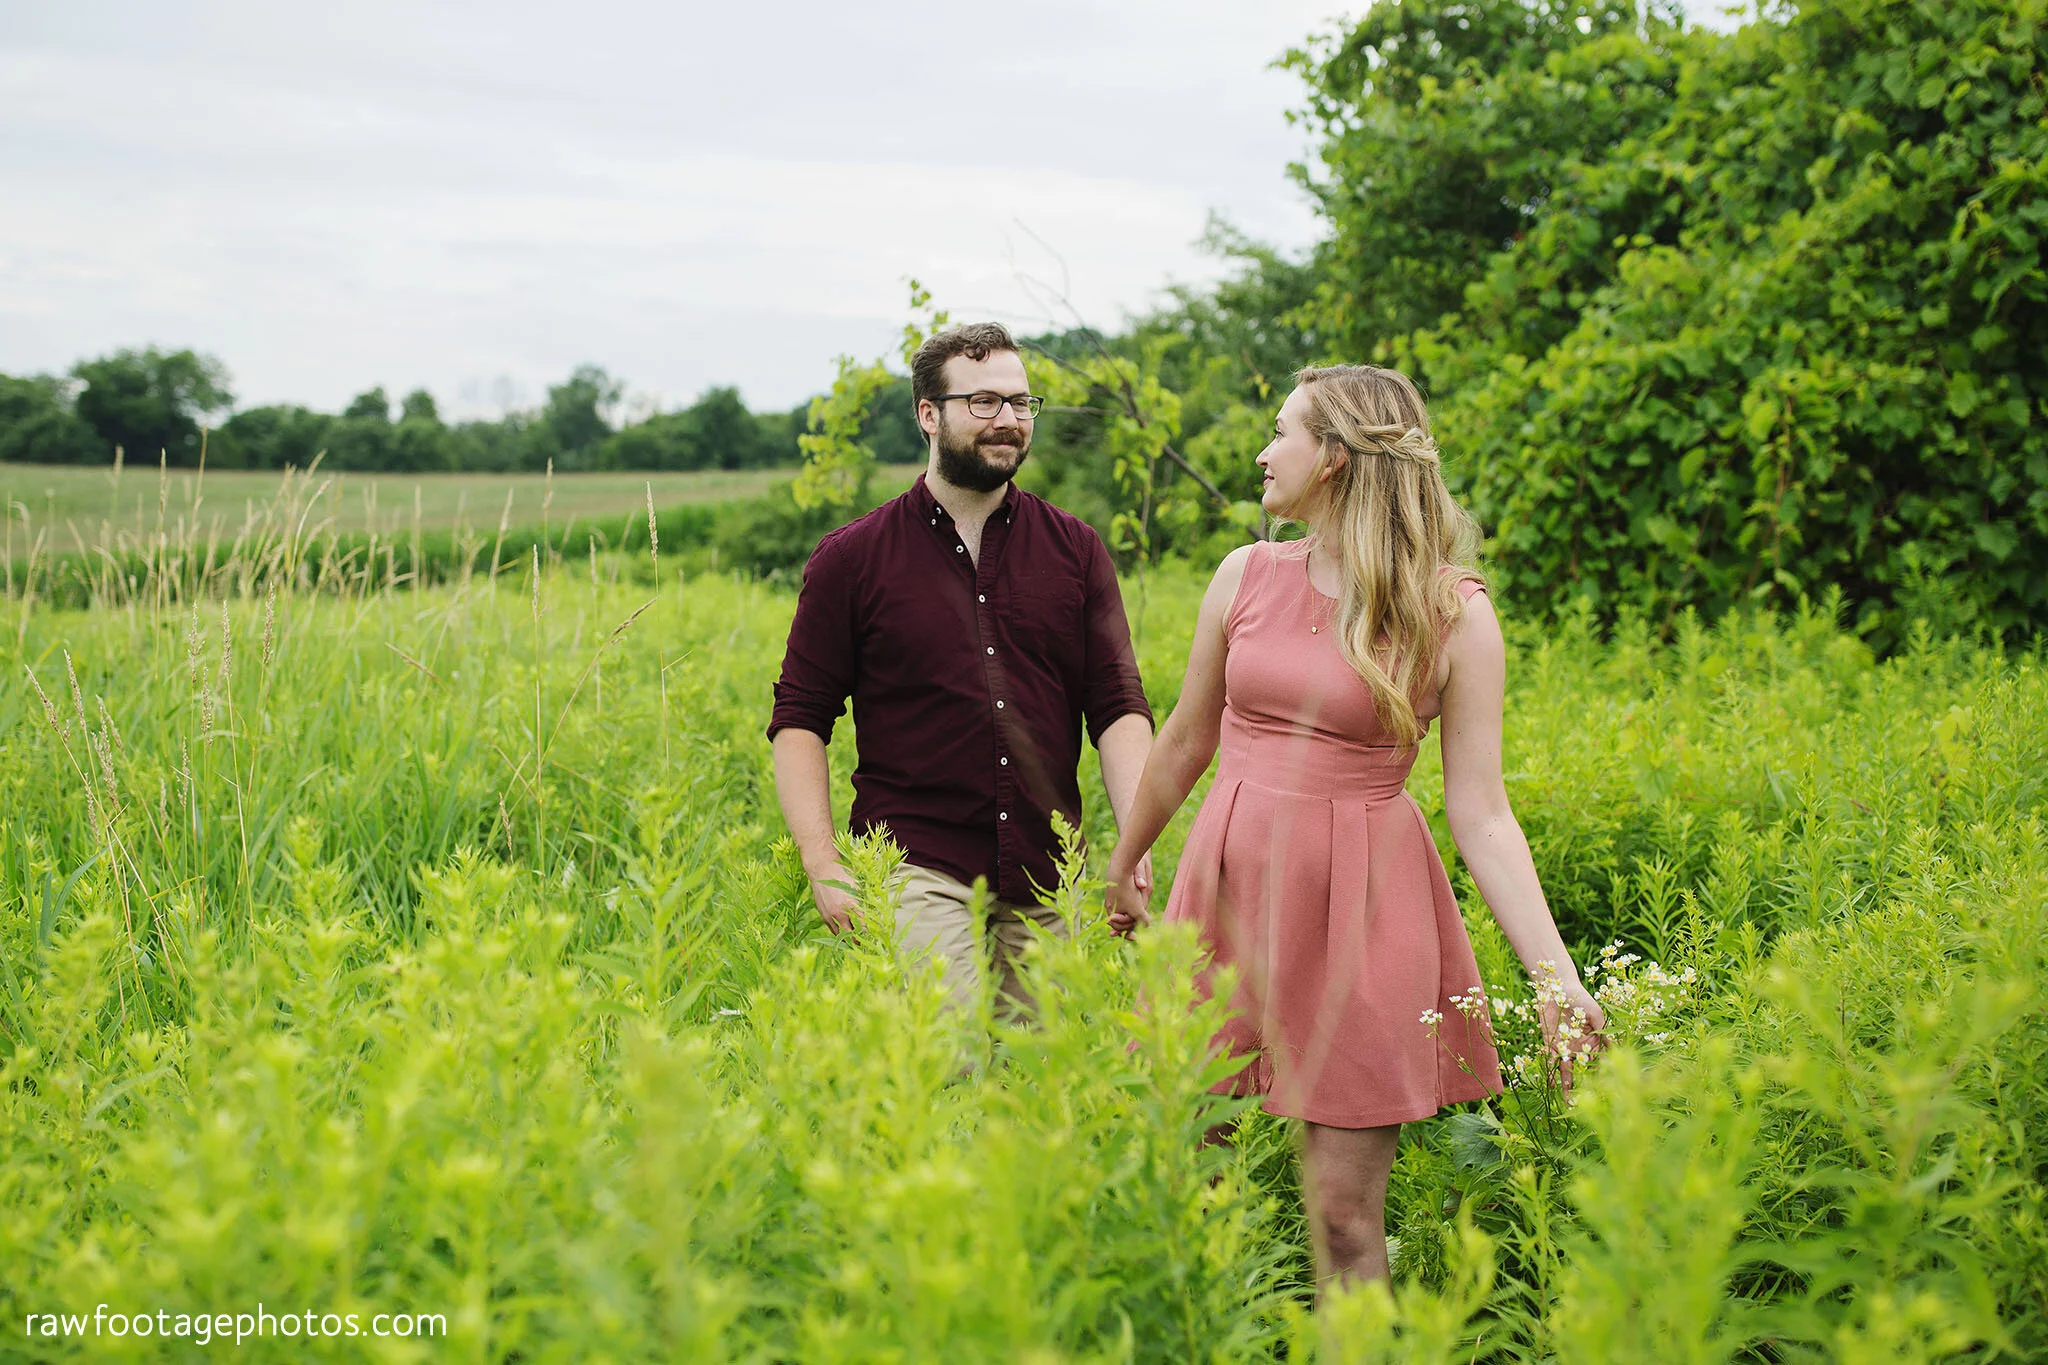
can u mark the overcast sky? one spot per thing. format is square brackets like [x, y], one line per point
[475, 197]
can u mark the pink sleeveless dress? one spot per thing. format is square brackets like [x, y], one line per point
[1311, 870]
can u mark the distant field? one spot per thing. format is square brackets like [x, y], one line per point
[86, 506]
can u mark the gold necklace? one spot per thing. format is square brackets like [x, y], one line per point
[1317, 598]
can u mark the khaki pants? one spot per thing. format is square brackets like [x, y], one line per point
[935, 919]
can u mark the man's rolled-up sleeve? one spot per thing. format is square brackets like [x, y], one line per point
[1111, 686]
[820, 664]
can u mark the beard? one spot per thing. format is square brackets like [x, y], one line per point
[981, 463]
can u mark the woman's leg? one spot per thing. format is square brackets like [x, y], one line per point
[1344, 1183]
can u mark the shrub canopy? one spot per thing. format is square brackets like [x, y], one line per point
[1710, 318]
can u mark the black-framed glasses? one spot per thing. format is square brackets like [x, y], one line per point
[986, 405]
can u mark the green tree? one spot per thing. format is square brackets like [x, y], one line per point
[419, 406]
[727, 430]
[420, 441]
[272, 437]
[575, 416]
[1773, 321]
[151, 401]
[37, 424]
[373, 405]
[667, 440]
[891, 429]
[1448, 130]
[363, 438]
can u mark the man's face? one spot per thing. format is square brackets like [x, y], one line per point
[980, 453]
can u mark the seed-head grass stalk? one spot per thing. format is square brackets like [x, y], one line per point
[547, 500]
[101, 811]
[269, 647]
[540, 786]
[159, 544]
[596, 663]
[654, 552]
[504, 525]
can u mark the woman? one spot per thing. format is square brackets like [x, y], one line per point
[1319, 665]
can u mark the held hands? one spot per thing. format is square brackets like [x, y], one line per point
[1127, 896]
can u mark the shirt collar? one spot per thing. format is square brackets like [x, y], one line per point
[928, 506]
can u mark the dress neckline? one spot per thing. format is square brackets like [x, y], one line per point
[1306, 576]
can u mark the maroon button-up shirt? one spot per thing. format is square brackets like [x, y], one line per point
[970, 683]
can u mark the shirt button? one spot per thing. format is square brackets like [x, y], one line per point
[991, 649]
[980, 597]
[999, 706]
[1004, 761]
[959, 549]
[1002, 815]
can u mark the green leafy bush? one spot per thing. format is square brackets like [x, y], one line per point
[1743, 317]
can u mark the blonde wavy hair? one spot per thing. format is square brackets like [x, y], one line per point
[1395, 528]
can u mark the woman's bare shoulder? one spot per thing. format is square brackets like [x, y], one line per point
[1228, 578]
[1476, 633]
[1233, 566]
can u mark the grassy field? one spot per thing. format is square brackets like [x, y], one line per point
[80, 508]
[439, 951]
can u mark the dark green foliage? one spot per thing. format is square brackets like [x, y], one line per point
[892, 431]
[371, 406]
[1769, 317]
[575, 415]
[150, 402]
[718, 431]
[38, 424]
[361, 439]
[277, 437]
[1448, 130]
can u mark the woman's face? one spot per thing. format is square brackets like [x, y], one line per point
[1292, 486]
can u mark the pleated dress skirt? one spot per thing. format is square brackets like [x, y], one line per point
[1310, 871]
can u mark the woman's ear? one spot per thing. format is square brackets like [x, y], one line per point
[1338, 459]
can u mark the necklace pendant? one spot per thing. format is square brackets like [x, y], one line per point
[1313, 629]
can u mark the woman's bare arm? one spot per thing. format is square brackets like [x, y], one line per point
[1488, 836]
[1181, 753]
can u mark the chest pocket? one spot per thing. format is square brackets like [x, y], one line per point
[1045, 619]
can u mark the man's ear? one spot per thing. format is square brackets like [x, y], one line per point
[928, 425]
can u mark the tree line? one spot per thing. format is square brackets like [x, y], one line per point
[153, 403]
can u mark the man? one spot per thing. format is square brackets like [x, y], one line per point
[976, 627]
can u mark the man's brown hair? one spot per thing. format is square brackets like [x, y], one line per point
[975, 340]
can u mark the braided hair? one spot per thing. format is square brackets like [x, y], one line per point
[1402, 542]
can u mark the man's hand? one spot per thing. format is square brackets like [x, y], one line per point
[1128, 907]
[1128, 895]
[830, 888]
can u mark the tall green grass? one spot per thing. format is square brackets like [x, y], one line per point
[438, 950]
